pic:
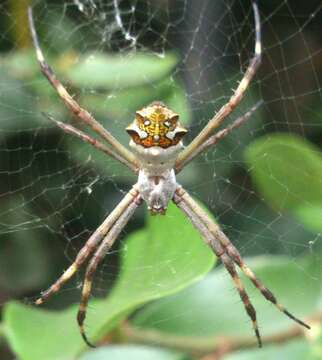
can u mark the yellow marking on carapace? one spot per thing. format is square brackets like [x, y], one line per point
[157, 121]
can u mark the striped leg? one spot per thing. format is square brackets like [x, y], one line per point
[235, 255]
[193, 148]
[229, 265]
[81, 114]
[69, 129]
[220, 252]
[100, 253]
[91, 244]
[214, 139]
[220, 241]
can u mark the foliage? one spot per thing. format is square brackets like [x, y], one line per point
[133, 352]
[287, 170]
[157, 261]
[161, 292]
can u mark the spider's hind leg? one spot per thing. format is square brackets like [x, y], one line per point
[229, 255]
[89, 246]
[268, 295]
[229, 265]
[221, 253]
[100, 253]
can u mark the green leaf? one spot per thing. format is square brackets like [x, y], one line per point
[123, 104]
[132, 352]
[22, 249]
[310, 216]
[21, 64]
[295, 350]
[160, 260]
[213, 308]
[317, 345]
[38, 334]
[116, 72]
[17, 107]
[287, 170]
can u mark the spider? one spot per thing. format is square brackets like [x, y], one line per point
[157, 156]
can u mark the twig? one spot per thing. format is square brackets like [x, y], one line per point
[211, 344]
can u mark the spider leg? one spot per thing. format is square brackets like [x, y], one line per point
[220, 252]
[86, 138]
[214, 139]
[192, 148]
[234, 254]
[230, 266]
[220, 244]
[129, 199]
[80, 113]
[236, 257]
[100, 253]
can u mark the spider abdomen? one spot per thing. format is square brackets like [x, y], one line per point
[157, 190]
[156, 181]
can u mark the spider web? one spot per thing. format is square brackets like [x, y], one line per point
[54, 192]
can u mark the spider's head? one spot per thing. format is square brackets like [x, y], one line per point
[156, 125]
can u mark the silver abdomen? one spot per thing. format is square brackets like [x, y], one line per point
[157, 181]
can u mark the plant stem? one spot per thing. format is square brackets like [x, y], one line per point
[211, 344]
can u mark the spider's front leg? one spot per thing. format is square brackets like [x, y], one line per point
[194, 147]
[229, 255]
[72, 105]
[69, 129]
[214, 139]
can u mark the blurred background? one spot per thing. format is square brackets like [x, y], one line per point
[263, 183]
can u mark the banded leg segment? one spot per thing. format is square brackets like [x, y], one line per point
[214, 139]
[234, 254]
[91, 244]
[69, 129]
[100, 253]
[80, 113]
[235, 99]
[221, 241]
[228, 263]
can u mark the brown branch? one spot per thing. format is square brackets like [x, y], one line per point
[217, 346]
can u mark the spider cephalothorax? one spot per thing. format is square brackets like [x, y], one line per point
[156, 125]
[156, 139]
[157, 155]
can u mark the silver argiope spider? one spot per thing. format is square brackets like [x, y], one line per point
[157, 156]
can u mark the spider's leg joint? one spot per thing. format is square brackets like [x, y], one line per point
[39, 301]
[134, 191]
[178, 196]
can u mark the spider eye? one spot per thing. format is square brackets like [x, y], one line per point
[167, 123]
[147, 122]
